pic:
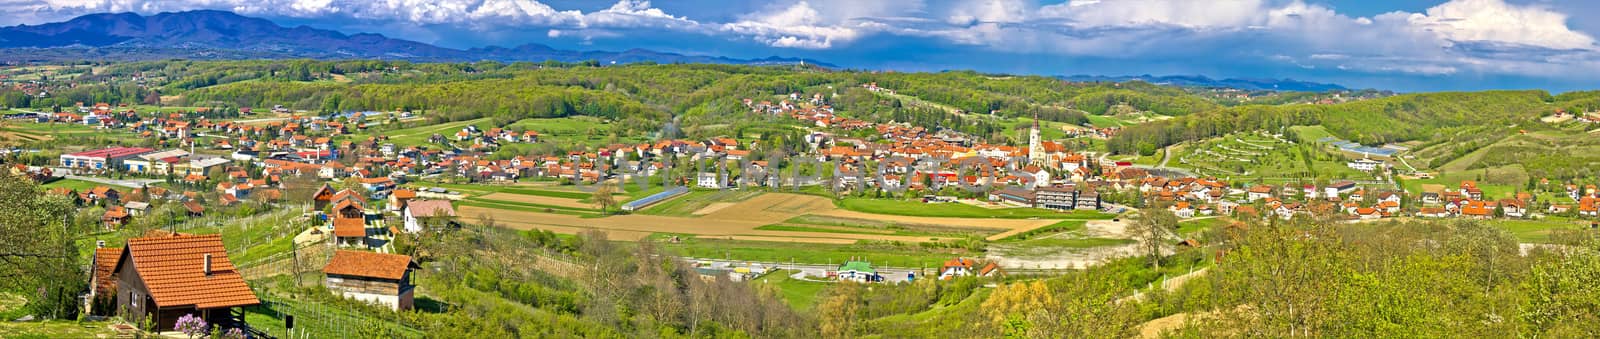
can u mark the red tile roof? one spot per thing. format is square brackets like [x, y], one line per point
[349, 227]
[368, 264]
[431, 208]
[105, 263]
[173, 270]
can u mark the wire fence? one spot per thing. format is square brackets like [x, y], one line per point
[317, 320]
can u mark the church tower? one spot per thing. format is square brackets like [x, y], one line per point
[1036, 154]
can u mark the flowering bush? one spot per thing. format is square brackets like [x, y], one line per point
[234, 333]
[192, 325]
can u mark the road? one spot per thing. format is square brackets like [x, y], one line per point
[890, 274]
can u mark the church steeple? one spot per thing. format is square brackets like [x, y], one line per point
[1035, 146]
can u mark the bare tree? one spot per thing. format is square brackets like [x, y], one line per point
[1152, 228]
[603, 195]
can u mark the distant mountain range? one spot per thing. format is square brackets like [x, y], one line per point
[1203, 81]
[209, 34]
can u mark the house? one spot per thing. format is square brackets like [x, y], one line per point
[398, 198]
[1513, 208]
[857, 271]
[1338, 188]
[1182, 210]
[162, 278]
[383, 279]
[137, 208]
[323, 197]
[958, 267]
[1364, 164]
[102, 193]
[1433, 212]
[102, 287]
[115, 217]
[709, 180]
[350, 231]
[1259, 192]
[420, 213]
[194, 209]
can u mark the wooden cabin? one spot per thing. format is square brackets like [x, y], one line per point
[165, 277]
[384, 279]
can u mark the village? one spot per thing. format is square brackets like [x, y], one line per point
[366, 189]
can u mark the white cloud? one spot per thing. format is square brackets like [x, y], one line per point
[1497, 21]
[803, 25]
[1138, 13]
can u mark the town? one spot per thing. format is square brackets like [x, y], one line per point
[500, 192]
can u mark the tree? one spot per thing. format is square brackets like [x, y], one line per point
[37, 233]
[354, 185]
[603, 195]
[1151, 228]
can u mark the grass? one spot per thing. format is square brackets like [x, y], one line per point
[1500, 182]
[686, 205]
[527, 206]
[817, 229]
[799, 294]
[808, 253]
[956, 210]
[574, 130]
[1056, 244]
[1535, 231]
[850, 225]
[418, 135]
[79, 185]
[56, 329]
[1197, 226]
[1250, 155]
[1311, 133]
[1060, 227]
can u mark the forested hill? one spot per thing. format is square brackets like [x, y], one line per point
[1393, 119]
[646, 94]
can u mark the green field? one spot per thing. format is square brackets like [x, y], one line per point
[1496, 183]
[79, 185]
[957, 210]
[579, 130]
[1197, 226]
[685, 205]
[888, 227]
[1249, 155]
[808, 253]
[1535, 231]
[1311, 133]
[800, 294]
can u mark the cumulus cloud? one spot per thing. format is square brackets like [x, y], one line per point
[1456, 36]
[804, 25]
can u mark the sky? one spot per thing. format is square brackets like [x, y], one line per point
[1404, 45]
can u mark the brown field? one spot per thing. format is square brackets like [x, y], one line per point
[735, 221]
[542, 200]
[712, 208]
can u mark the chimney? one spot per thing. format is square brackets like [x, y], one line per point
[208, 264]
[100, 244]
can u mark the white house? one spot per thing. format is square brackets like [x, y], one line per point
[418, 212]
[1364, 164]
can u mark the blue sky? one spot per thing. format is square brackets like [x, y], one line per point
[1408, 45]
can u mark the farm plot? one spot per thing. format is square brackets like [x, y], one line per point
[538, 199]
[743, 220]
[1265, 157]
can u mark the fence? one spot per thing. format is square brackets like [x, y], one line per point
[315, 320]
[309, 257]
